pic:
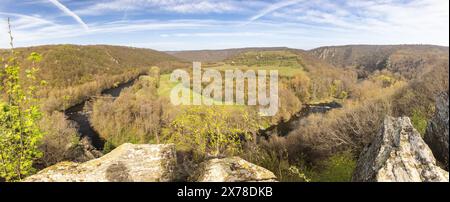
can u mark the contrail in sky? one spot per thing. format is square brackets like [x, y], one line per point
[272, 8]
[69, 13]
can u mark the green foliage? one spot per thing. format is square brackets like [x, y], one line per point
[267, 58]
[301, 175]
[19, 117]
[337, 168]
[343, 95]
[386, 80]
[276, 159]
[336, 89]
[419, 121]
[108, 147]
[213, 130]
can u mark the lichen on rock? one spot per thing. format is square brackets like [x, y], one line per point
[398, 154]
[126, 163]
[232, 169]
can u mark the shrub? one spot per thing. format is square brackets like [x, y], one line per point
[136, 116]
[274, 157]
[19, 117]
[419, 121]
[337, 168]
[212, 130]
[301, 85]
[288, 104]
[108, 147]
[59, 136]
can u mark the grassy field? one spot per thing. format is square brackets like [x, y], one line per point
[284, 71]
[166, 87]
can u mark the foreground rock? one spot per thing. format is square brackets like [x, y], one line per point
[233, 169]
[436, 135]
[398, 154]
[127, 163]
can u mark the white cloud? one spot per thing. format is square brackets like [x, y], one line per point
[148, 6]
[217, 34]
[102, 7]
[304, 24]
[20, 22]
[202, 6]
[25, 21]
[32, 30]
[416, 21]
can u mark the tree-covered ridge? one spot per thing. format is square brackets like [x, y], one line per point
[68, 65]
[217, 55]
[73, 72]
[267, 58]
[408, 60]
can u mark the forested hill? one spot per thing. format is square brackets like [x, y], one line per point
[67, 65]
[407, 60]
[286, 57]
[216, 55]
[73, 73]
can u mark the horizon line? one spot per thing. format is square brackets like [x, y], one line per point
[234, 48]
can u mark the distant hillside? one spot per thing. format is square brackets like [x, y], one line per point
[215, 55]
[74, 73]
[408, 60]
[284, 57]
[67, 65]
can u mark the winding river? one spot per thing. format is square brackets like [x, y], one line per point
[284, 128]
[80, 115]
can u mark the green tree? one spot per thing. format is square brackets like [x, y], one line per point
[212, 130]
[19, 116]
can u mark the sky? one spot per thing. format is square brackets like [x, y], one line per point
[219, 24]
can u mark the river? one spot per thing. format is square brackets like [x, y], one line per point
[80, 116]
[284, 128]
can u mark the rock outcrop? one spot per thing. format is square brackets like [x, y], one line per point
[436, 135]
[232, 169]
[398, 154]
[126, 163]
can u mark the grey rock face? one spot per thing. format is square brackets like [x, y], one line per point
[232, 169]
[398, 154]
[436, 135]
[149, 163]
[126, 163]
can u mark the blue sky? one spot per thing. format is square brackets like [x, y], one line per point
[218, 24]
